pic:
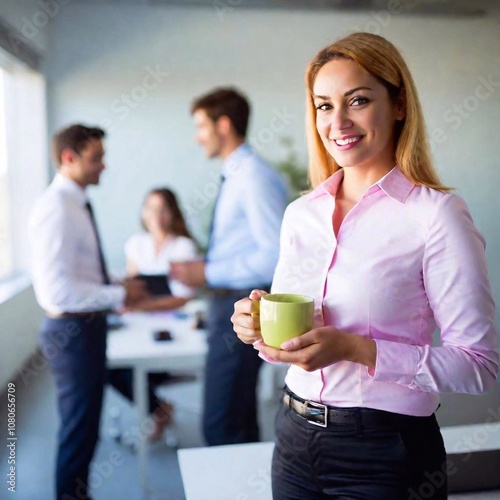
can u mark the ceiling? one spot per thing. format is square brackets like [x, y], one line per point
[462, 8]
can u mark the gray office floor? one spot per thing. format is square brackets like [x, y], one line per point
[115, 468]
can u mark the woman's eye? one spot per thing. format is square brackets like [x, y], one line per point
[323, 107]
[358, 101]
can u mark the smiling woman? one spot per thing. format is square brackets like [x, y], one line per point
[401, 258]
[372, 66]
[355, 122]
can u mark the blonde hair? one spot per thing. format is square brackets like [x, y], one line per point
[381, 59]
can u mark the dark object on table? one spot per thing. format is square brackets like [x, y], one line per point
[200, 322]
[156, 284]
[163, 335]
[115, 321]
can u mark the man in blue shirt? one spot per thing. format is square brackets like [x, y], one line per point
[242, 254]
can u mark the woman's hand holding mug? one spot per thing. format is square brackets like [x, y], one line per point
[246, 317]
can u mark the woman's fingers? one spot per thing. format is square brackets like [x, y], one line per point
[243, 306]
[246, 319]
[257, 294]
[246, 324]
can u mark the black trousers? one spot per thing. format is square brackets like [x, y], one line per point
[75, 349]
[231, 373]
[403, 461]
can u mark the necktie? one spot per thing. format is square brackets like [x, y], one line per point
[211, 230]
[102, 263]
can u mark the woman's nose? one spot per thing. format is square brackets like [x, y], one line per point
[340, 119]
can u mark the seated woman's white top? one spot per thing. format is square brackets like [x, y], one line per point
[140, 251]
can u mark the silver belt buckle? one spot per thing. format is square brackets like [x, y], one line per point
[315, 409]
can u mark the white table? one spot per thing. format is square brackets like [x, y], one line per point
[243, 472]
[473, 455]
[231, 472]
[133, 346]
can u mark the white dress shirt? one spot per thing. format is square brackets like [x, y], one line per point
[66, 272]
[141, 252]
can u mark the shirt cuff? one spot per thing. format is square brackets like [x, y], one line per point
[396, 362]
[116, 294]
[265, 357]
[180, 290]
[211, 274]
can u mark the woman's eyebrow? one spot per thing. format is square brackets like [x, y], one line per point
[348, 93]
[355, 89]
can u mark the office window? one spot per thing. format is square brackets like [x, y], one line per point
[23, 158]
[6, 265]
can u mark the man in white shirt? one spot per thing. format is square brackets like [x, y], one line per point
[242, 254]
[73, 287]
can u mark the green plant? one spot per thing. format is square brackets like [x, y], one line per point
[293, 169]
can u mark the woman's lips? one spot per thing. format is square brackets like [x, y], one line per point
[347, 142]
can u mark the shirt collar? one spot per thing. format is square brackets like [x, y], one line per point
[394, 184]
[71, 188]
[330, 186]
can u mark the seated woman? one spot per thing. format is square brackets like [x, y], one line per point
[165, 240]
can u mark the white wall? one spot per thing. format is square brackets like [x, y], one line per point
[100, 53]
[20, 319]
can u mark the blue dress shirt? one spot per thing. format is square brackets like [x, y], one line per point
[244, 243]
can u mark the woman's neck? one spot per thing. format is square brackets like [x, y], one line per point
[160, 238]
[356, 182]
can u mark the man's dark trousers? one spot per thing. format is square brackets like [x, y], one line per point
[75, 349]
[231, 374]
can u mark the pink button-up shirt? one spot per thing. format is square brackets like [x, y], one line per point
[407, 260]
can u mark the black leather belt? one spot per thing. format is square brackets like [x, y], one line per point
[83, 314]
[324, 415]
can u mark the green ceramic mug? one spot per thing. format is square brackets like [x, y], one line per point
[284, 316]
